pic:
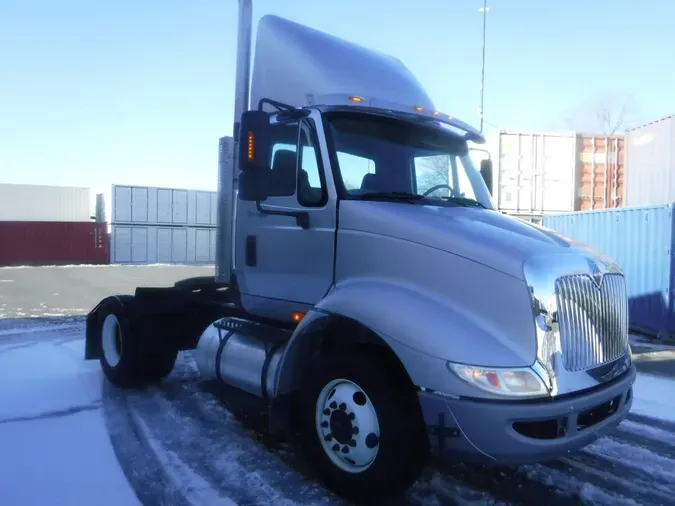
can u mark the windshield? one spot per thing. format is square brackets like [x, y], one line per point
[382, 158]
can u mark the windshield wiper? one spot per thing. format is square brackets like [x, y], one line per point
[464, 202]
[391, 195]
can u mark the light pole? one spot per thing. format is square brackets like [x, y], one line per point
[484, 10]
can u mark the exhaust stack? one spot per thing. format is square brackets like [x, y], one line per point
[227, 156]
[243, 82]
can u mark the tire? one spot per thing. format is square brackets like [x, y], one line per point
[159, 366]
[127, 360]
[389, 441]
[121, 353]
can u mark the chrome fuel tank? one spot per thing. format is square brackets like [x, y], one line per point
[245, 362]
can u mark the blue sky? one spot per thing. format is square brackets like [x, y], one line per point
[138, 91]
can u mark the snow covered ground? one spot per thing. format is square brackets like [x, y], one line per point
[67, 437]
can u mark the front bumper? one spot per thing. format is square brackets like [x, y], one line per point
[517, 432]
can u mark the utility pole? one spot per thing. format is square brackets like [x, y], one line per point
[484, 10]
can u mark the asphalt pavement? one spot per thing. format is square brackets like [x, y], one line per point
[74, 290]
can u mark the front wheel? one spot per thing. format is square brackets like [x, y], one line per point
[361, 426]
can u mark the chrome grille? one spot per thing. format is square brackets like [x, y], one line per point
[593, 321]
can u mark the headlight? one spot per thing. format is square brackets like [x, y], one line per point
[520, 382]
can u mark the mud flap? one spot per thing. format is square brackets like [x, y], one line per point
[92, 343]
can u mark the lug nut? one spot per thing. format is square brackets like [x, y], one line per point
[352, 443]
[355, 430]
[345, 449]
[343, 406]
[324, 424]
[333, 405]
[326, 411]
[336, 447]
[352, 416]
[328, 438]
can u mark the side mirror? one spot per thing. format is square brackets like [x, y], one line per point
[254, 184]
[486, 173]
[255, 143]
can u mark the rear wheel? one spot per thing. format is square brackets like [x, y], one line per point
[159, 365]
[361, 426]
[127, 359]
[121, 357]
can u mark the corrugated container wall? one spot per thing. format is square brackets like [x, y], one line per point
[137, 244]
[163, 225]
[24, 202]
[546, 173]
[100, 208]
[640, 239]
[53, 243]
[650, 163]
[163, 206]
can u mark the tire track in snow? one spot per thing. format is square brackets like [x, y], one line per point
[607, 478]
[198, 429]
[648, 437]
[198, 491]
[221, 451]
[143, 470]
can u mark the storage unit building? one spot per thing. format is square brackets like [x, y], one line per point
[53, 243]
[650, 163]
[541, 173]
[640, 239]
[163, 225]
[26, 202]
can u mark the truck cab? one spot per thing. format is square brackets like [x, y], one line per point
[368, 294]
[339, 186]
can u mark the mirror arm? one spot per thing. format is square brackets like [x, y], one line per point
[301, 217]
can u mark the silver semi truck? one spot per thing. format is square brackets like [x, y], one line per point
[368, 299]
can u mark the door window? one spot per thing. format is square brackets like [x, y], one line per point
[311, 190]
[290, 176]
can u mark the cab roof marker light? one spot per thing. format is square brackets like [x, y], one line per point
[355, 98]
[419, 108]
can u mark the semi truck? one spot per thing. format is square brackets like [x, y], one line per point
[378, 318]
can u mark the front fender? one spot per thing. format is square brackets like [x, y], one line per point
[424, 330]
[430, 324]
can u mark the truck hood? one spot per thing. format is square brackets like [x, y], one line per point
[484, 236]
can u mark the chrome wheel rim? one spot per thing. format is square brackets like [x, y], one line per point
[347, 426]
[111, 340]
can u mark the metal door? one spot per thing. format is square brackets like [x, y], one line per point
[275, 257]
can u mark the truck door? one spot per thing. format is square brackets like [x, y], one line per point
[279, 262]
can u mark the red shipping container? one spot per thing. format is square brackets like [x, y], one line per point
[53, 243]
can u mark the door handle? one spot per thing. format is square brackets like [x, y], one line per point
[301, 217]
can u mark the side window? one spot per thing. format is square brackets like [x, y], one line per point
[289, 174]
[311, 190]
[354, 169]
[284, 160]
